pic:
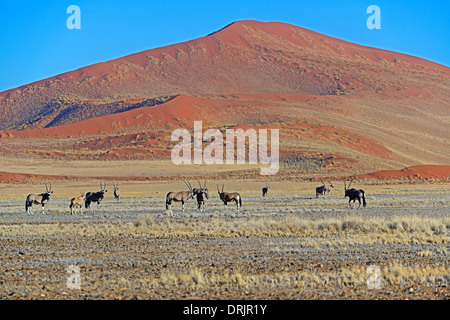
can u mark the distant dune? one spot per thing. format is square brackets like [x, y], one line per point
[342, 108]
[414, 172]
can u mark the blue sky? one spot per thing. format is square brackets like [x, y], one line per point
[35, 42]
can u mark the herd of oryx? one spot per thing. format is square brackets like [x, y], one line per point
[75, 203]
[200, 194]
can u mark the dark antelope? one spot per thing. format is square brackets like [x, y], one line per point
[265, 190]
[201, 194]
[180, 196]
[95, 196]
[354, 194]
[116, 190]
[77, 203]
[42, 199]
[323, 189]
[230, 196]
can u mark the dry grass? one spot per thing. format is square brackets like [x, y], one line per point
[395, 274]
[367, 230]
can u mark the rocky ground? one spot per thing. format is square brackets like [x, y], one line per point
[290, 248]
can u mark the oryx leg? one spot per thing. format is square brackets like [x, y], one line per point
[43, 210]
[182, 205]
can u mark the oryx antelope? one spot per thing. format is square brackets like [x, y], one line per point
[77, 203]
[230, 196]
[116, 190]
[323, 189]
[42, 199]
[354, 194]
[95, 196]
[201, 195]
[180, 196]
[265, 190]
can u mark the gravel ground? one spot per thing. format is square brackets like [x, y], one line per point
[207, 264]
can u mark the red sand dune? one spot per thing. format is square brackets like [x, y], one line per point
[360, 103]
[166, 113]
[246, 57]
[183, 110]
[9, 177]
[413, 172]
[420, 172]
[13, 178]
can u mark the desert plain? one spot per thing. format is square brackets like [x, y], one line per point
[289, 245]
